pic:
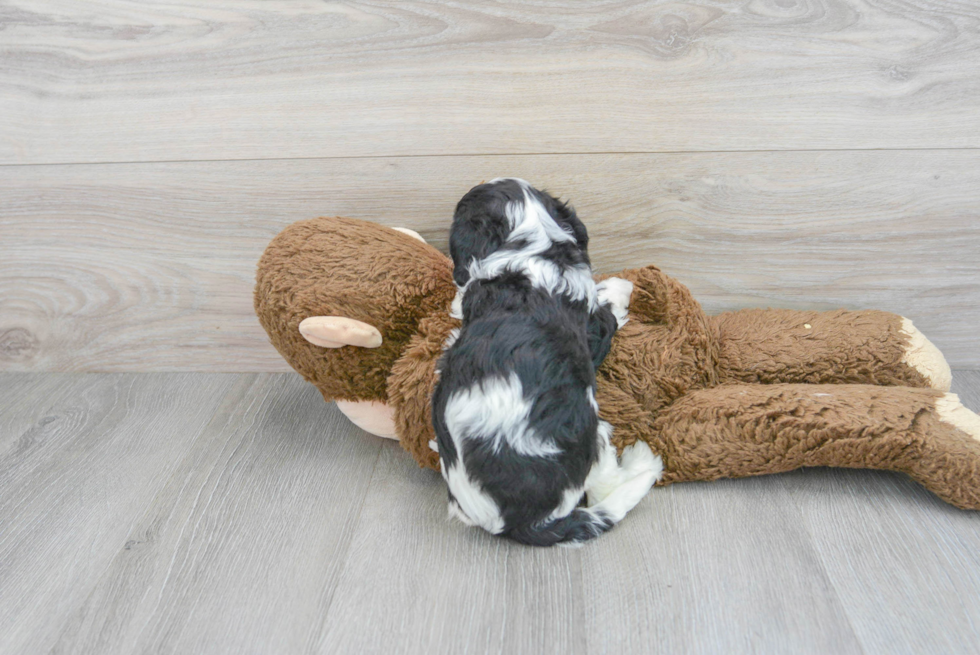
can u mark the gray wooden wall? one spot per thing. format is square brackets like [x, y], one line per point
[786, 153]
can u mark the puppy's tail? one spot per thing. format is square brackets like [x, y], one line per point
[582, 524]
[585, 523]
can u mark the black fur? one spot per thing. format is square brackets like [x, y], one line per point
[551, 342]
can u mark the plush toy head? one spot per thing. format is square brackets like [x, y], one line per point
[369, 278]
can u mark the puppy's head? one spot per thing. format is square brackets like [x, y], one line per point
[510, 214]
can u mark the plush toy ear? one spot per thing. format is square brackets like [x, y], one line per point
[411, 233]
[339, 331]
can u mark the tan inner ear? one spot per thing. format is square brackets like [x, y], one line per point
[411, 233]
[339, 331]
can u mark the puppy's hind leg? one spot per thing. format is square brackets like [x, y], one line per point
[626, 496]
[608, 475]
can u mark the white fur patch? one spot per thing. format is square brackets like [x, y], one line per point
[456, 513]
[477, 508]
[608, 475]
[473, 507]
[530, 222]
[456, 309]
[496, 409]
[451, 339]
[604, 476]
[569, 501]
[639, 458]
[632, 490]
[615, 293]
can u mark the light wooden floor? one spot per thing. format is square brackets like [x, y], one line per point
[166, 488]
[239, 513]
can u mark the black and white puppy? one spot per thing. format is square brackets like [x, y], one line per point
[516, 420]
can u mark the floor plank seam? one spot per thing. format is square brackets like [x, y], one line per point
[815, 549]
[461, 155]
[355, 527]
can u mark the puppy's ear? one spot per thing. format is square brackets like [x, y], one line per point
[339, 331]
[480, 224]
[564, 214]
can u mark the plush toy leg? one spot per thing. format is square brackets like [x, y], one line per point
[870, 347]
[371, 416]
[741, 430]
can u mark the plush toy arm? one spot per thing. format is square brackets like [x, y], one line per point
[740, 430]
[868, 347]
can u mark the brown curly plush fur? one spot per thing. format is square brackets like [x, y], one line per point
[346, 267]
[742, 393]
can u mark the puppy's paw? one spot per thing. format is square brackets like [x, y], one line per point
[638, 459]
[615, 293]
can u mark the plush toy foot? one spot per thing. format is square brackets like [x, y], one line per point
[374, 417]
[614, 293]
[739, 430]
[952, 411]
[950, 461]
[924, 357]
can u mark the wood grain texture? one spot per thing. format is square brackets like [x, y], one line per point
[21, 416]
[708, 568]
[119, 80]
[905, 565]
[74, 482]
[177, 513]
[151, 266]
[241, 551]
[966, 384]
[414, 582]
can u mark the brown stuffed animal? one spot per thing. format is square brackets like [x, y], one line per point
[362, 312]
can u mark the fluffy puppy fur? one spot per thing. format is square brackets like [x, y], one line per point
[514, 411]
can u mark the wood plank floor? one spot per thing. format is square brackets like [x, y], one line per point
[239, 513]
[137, 267]
[154, 81]
[165, 487]
[783, 153]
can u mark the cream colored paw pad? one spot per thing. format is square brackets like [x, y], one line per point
[952, 411]
[924, 357]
